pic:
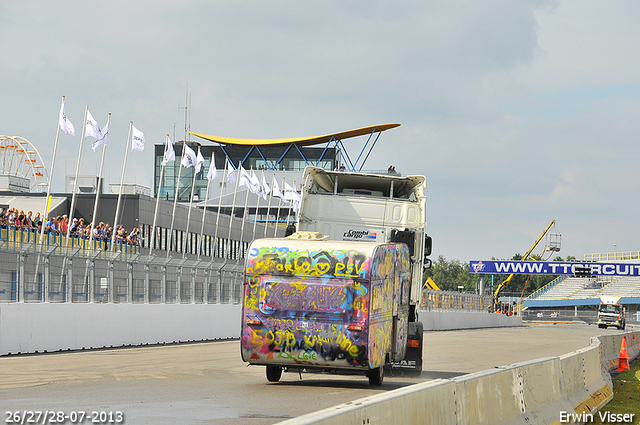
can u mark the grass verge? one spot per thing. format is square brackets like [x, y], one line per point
[626, 395]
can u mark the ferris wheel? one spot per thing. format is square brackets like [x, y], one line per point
[20, 158]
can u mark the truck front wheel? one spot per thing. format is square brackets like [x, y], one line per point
[274, 373]
[376, 376]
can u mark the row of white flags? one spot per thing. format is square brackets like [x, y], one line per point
[92, 129]
[250, 180]
[189, 159]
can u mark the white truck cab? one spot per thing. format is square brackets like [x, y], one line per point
[383, 208]
[611, 313]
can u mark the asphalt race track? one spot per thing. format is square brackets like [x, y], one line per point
[207, 383]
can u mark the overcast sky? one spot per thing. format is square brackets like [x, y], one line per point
[518, 112]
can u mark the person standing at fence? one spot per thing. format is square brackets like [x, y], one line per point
[37, 221]
[11, 217]
[29, 219]
[74, 227]
[21, 219]
[64, 224]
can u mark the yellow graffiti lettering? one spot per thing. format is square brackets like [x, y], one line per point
[346, 344]
[257, 338]
[269, 337]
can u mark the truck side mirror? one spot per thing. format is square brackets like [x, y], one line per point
[427, 263]
[427, 245]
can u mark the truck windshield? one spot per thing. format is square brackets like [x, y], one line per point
[609, 308]
[295, 296]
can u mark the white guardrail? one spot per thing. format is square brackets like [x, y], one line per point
[551, 390]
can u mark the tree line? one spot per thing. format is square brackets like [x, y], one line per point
[449, 275]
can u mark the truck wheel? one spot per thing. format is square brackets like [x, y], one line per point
[274, 373]
[623, 325]
[376, 376]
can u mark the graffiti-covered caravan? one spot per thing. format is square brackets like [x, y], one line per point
[325, 306]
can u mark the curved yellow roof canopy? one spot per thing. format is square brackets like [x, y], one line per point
[301, 141]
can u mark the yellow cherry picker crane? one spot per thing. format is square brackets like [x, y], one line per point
[552, 245]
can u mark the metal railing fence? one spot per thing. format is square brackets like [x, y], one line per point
[34, 273]
[433, 300]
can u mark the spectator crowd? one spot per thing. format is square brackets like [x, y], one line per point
[59, 225]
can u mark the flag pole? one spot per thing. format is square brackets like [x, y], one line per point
[289, 210]
[95, 205]
[75, 183]
[193, 186]
[204, 210]
[53, 163]
[124, 166]
[175, 200]
[155, 213]
[275, 231]
[266, 222]
[233, 204]
[244, 214]
[255, 220]
[222, 184]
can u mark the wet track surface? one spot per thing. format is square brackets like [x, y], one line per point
[207, 383]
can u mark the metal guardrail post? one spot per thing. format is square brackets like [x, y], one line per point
[110, 272]
[130, 262]
[91, 282]
[194, 269]
[68, 273]
[47, 272]
[22, 258]
[91, 263]
[221, 283]
[163, 289]
[206, 295]
[69, 266]
[179, 282]
[129, 296]
[147, 279]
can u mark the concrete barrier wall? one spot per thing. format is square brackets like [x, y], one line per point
[46, 327]
[451, 320]
[529, 393]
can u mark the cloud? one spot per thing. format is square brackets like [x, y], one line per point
[517, 112]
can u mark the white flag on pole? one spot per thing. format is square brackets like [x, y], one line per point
[289, 192]
[188, 157]
[64, 122]
[199, 161]
[254, 183]
[169, 153]
[213, 172]
[138, 139]
[276, 189]
[245, 178]
[265, 189]
[102, 140]
[231, 175]
[92, 129]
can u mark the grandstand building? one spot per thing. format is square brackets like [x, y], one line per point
[579, 296]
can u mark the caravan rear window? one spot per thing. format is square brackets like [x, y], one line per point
[310, 295]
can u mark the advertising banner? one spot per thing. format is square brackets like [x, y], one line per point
[554, 268]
